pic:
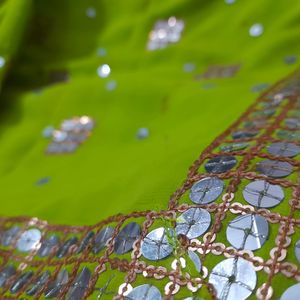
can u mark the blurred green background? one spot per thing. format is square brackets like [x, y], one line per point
[113, 171]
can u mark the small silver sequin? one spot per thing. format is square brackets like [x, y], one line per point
[264, 113]
[85, 123]
[284, 149]
[156, 244]
[59, 136]
[260, 193]
[274, 168]
[43, 180]
[220, 164]
[103, 71]
[144, 292]
[58, 148]
[38, 284]
[229, 1]
[292, 123]
[233, 147]
[126, 237]
[297, 250]
[206, 190]
[101, 238]
[79, 286]
[247, 232]
[243, 134]
[64, 249]
[20, 282]
[233, 278]
[259, 87]
[6, 274]
[28, 240]
[86, 241]
[288, 135]
[193, 222]
[256, 30]
[54, 288]
[2, 61]
[111, 85]
[292, 293]
[91, 12]
[76, 137]
[189, 67]
[48, 131]
[255, 124]
[101, 52]
[290, 59]
[142, 133]
[275, 100]
[69, 125]
[47, 245]
[8, 236]
[196, 260]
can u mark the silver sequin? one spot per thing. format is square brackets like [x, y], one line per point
[28, 240]
[274, 168]
[233, 278]
[297, 250]
[220, 164]
[144, 292]
[193, 222]
[126, 237]
[292, 293]
[206, 190]
[260, 193]
[247, 232]
[284, 149]
[103, 71]
[256, 30]
[156, 244]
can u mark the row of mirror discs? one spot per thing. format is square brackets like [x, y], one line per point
[259, 193]
[51, 287]
[70, 135]
[192, 223]
[30, 240]
[272, 168]
[245, 231]
[285, 149]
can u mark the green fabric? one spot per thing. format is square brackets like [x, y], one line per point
[114, 172]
